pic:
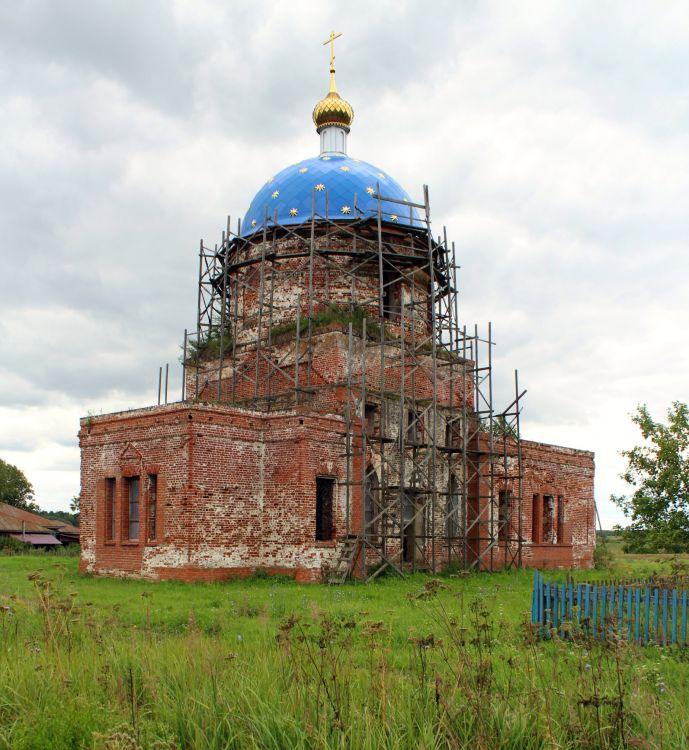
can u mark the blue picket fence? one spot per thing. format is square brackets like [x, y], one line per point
[632, 611]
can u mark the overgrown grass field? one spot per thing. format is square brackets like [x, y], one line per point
[267, 663]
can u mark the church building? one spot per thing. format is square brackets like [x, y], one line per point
[338, 415]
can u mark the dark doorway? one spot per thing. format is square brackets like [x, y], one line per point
[504, 515]
[453, 516]
[371, 502]
[325, 490]
[408, 530]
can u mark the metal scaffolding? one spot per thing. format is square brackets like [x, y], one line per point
[433, 471]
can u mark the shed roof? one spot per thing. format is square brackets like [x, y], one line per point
[36, 539]
[18, 519]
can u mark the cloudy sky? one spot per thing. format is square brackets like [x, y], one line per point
[554, 137]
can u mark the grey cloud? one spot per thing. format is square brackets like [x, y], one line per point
[553, 138]
[136, 44]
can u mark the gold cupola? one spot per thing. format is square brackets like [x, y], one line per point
[333, 110]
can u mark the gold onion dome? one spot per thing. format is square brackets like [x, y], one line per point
[333, 110]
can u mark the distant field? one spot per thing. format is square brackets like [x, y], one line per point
[413, 663]
[639, 563]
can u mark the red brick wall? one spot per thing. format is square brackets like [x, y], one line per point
[329, 371]
[236, 490]
[568, 473]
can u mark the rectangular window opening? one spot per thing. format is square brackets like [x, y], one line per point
[152, 506]
[414, 427]
[454, 521]
[391, 294]
[372, 419]
[548, 519]
[453, 433]
[325, 491]
[536, 520]
[408, 528]
[133, 501]
[560, 519]
[110, 510]
[504, 516]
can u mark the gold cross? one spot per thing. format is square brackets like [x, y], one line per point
[331, 41]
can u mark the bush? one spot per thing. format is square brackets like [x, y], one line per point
[9, 545]
[602, 556]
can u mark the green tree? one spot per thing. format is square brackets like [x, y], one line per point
[658, 470]
[15, 488]
[501, 427]
[61, 515]
[75, 507]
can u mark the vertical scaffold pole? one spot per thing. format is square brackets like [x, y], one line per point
[184, 365]
[198, 322]
[520, 474]
[348, 435]
[223, 312]
[261, 289]
[434, 369]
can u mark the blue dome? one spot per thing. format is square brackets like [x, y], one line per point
[349, 185]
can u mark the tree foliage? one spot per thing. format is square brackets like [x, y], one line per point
[75, 507]
[500, 427]
[658, 470]
[61, 515]
[15, 488]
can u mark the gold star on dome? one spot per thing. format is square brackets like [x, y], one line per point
[370, 190]
[303, 169]
[346, 210]
[381, 175]
[393, 217]
[345, 169]
[270, 179]
[253, 222]
[358, 161]
[293, 212]
[275, 194]
[320, 187]
[325, 158]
